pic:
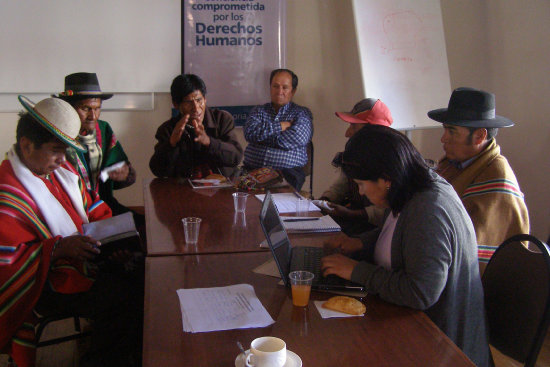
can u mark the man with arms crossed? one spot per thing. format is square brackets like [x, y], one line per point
[481, 176]
[198, 141]
[278, 132]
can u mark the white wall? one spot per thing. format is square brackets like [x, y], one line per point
[500, 46]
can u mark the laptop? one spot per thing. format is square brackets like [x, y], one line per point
[289, 259]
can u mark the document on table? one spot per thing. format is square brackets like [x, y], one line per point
[286, 202]
[222, 308]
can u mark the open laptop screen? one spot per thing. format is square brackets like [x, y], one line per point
[276, 235]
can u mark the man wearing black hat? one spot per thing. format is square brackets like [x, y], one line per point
[103, 149]
[482, 177]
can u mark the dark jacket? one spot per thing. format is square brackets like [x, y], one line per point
[224, 152]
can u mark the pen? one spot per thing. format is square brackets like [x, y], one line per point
[297, 195]
[300, 219]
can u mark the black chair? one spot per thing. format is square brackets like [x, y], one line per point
[308, 168]
[44, 321]
[516, 282]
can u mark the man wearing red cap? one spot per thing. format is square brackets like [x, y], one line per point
[352, 211]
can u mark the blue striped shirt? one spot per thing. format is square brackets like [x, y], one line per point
[268, 145]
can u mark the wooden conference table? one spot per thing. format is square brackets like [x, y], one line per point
[226, 253]
[222, 230]
[387, 335]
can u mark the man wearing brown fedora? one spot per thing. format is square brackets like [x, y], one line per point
[481, 176]
[354, 212]
[45, 262]
[82, 91]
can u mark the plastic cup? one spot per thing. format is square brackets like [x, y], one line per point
[191, 226]
[239, 201]
[302, 206]
[300, 282]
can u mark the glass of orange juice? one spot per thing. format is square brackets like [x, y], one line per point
[300, 282]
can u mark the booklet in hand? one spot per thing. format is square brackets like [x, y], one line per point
[115, 233]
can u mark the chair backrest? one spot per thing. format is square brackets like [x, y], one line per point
[516, 282]
[308, 168]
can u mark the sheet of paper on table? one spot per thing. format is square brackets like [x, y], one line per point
[286, 202]
[222, 308]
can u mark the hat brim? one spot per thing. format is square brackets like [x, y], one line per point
[29, 106]
[100, 95]
[348, 117]
[442, 115]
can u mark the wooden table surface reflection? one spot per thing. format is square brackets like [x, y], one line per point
[167, 201]
[222, 230]
[387, 335]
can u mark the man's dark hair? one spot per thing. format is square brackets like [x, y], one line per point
[184, 84]
[294, 76]
[491, 133]
[378, 151]
[28, 127]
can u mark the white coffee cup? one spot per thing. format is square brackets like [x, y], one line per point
[267, 351]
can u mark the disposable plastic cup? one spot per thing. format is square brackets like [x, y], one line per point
[239, 201]
[191, 226]
[300, 282]
[302, 206]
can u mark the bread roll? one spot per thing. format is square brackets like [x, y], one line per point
[346, 305]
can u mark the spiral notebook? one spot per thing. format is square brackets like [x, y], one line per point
[310, 225]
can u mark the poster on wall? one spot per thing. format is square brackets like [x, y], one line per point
[233, 45]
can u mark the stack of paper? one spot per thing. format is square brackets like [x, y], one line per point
[222, 308]
[286, 202]
[310, 224]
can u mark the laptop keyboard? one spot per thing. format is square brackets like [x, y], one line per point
[309, 258]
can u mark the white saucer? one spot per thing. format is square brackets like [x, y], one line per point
[292, 359]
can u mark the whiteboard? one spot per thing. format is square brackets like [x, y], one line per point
[133, 45]
[403, 58]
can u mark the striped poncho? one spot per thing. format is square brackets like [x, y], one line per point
[491, 194]
[26, 246]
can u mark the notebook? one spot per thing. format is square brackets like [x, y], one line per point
[310, 224]
[298, 258]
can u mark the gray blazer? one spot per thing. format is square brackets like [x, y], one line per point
[434, 268]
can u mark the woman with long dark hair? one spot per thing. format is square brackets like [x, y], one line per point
[425, 254]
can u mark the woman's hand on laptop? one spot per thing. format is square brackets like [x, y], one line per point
[344, 244]
[338, 264]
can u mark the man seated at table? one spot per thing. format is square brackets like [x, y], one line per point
[102, 147]
[44, 260]
[200, 140]
[352, 211]
[278, 132]
[480, 175]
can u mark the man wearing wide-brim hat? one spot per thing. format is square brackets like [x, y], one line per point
[103, 149]
[478, 172]
[43, 256]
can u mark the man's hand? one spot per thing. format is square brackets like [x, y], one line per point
[285, 125]
[120, 174]
[200, 134]
[338, 264]
[178, 130]
[76, 247]
[344, 212]
[345, 244]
